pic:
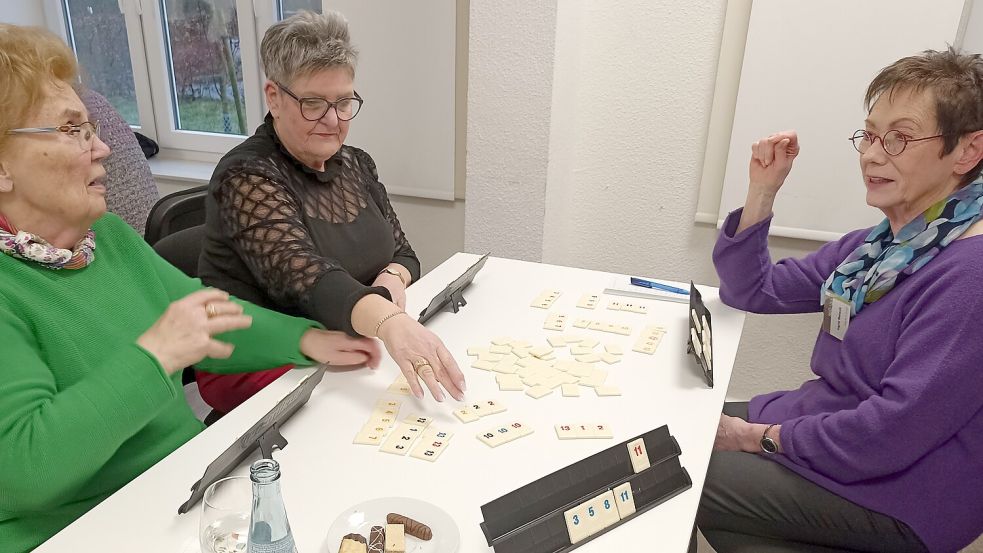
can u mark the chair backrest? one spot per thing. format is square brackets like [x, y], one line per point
[174, 212]
[182, 248]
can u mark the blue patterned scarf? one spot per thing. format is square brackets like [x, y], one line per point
[884, 260]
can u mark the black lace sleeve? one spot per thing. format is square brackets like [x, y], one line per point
[403, 253]
[264, 221]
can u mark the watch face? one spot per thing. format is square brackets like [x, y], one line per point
[768, 445]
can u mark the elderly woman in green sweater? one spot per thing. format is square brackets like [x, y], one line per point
[94, 338]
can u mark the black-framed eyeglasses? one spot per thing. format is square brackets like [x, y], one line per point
[894, 142]
[313, 108]
[84, 132]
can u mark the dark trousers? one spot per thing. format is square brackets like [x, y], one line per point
[751, 504]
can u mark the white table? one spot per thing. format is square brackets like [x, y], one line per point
[324, 474]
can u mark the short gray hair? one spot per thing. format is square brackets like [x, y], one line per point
[305, 43]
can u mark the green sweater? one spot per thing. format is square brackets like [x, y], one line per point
[83, 408]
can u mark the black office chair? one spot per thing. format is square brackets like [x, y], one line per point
[182, 248]
[174, 212]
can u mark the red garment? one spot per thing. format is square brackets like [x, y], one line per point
[224, 392]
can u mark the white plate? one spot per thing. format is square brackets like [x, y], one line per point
[361, 518]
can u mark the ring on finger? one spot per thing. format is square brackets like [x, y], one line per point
[420, 363]
[211, 311]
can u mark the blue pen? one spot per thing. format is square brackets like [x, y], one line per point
[658, 286]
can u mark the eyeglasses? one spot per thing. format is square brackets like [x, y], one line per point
[313, 109]
[85, 133]
[893, 142]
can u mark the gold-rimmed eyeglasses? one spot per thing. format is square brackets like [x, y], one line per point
[85, 132]
[894, 142]
[313, 108]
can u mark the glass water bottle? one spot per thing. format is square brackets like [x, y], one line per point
[269, 531]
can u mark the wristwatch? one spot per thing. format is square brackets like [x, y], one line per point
[768, 445]
[394, 273]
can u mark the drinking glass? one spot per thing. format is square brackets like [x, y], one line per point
[225, 510]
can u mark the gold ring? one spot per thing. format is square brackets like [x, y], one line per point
[211, 311]
[420, 363]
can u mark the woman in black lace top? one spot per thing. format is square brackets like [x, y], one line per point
[299, 222]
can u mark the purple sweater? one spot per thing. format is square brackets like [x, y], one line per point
[894, 421]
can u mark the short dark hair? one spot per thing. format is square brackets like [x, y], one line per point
[956, 81]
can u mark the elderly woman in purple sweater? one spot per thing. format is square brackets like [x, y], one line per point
[883, 451]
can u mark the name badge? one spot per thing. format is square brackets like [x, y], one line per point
[836, 316]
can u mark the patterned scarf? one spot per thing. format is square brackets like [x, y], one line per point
[24, 245]
[884, 260]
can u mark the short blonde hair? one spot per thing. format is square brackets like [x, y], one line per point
[30, 58]
[306, 43]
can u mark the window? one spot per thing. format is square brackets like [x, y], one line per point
[204, 65]
[96, 30]
[187, 74]
[286, 8]
[184, 72]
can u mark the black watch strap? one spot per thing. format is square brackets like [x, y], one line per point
[768, 445]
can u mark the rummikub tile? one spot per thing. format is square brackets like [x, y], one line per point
[570, 390]
[639, 455]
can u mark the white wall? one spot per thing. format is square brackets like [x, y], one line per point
[509, 97]
[22, 12]
[630, 86]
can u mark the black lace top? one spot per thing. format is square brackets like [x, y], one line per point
[299, 241]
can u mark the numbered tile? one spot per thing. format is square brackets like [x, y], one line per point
[635, 308]
[521, 353]
[466, 415]
[501, 341]
[600, 431]
[576, 525]
[497, 436]
[503, 349]
[418, 420]
[402, 388]
[491, 407]
[369, 437]
[588, 301]
[492, 356]
[625, 500]
[567, 432]
[639, 455]
[602, 511]
[555, 321]
[380, 418]
[402, 439]
[624, 330]
[385, 405]
[477, 350]
[581, 323]
[570, 390]
[545, 299]
[614, 306]
[430, 446]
